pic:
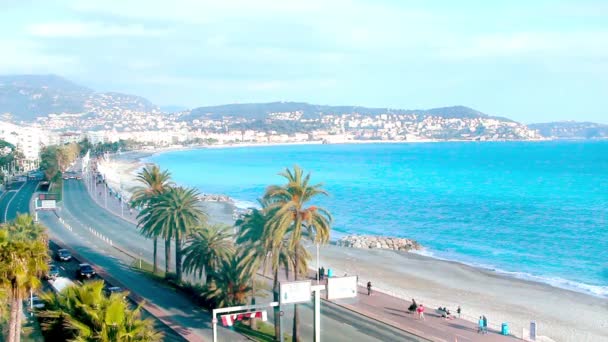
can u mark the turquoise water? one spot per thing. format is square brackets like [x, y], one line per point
[531, 210]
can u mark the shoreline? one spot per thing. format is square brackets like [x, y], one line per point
[493, 292]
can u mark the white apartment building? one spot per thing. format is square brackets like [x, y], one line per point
[27, 139]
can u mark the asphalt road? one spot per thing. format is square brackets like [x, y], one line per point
[82, 213]
[17, 201]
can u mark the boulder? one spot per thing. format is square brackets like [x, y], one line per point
[381, 242]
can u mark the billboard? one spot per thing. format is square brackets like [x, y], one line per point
[341, 287]
[294, 292]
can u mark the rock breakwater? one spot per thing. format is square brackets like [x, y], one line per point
[382, 242]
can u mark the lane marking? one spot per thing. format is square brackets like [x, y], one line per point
[12, 198]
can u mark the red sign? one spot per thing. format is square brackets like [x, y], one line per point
[228, 320]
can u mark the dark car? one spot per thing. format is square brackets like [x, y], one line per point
[85, 271]
[63, 255]
[53, 272]
[115, 289]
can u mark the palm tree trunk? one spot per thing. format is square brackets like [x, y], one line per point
[12, 327]
[167, 256]
[155, 268]
[19, 315]
[254, 321]
[178, 257]
[277, 309]
[296, 319]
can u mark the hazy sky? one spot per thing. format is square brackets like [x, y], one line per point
[528, 60]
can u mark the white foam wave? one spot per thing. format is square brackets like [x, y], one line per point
[595, 290]
[242, 204]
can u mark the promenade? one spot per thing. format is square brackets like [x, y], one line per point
[379, 306]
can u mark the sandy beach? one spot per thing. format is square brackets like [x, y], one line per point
[562, 315]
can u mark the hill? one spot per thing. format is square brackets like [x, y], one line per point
[27, 97]
[261, 111]
[571, 130]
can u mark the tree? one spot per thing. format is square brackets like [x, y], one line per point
[254, 254]
[230, 284]
[154, 183]
[175, 212]
[292, 218]
[207, 248]
[85, 313]
[23, 260]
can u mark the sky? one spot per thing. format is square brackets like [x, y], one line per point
[532, 61]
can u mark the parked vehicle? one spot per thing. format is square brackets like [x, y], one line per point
[63, 255]
[85, 271]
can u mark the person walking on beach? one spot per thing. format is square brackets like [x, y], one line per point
[421, 312]
[322, 273]
[369, 288]
[485, 324]
[480, 325]
[458, 311]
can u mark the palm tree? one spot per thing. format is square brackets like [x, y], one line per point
[292, 219]
[230, 285]
[175, 213]
[85, 313]
[25, 228]
[23, 260]
[154, 182]
[250, 239]
[207, 248]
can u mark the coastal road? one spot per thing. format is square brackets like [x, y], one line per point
[83, 214]
[188, 319]
[17, 200]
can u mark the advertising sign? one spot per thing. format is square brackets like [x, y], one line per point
[294, 292]
[341, 287]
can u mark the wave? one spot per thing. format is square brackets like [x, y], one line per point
[243, 204]
[595, 290]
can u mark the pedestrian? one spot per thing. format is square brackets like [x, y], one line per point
[421, 312]
[480, 325]
[485, 324]
[369, 288]
[322, 272]
[458, 311]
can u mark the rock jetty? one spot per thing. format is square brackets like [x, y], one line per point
[382, 242]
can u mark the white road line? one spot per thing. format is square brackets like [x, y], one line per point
[12, 198]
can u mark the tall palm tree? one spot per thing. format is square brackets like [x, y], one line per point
[23, 260]
[85, 313]
[293, 218]
[207, 248]
[175, 213]
[153, 183]
[250, 239]
[230, 285]
[24, 227]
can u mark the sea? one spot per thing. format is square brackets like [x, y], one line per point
[531, 210]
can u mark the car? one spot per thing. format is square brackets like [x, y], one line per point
[53, 272]
[63, 255]
[85, 271]
[114, 289]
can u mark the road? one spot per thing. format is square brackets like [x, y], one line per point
[17, 201]
[83, 214]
